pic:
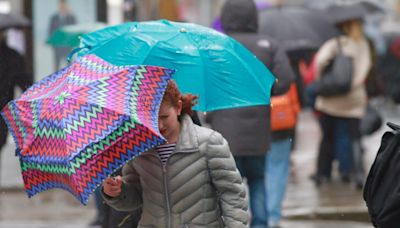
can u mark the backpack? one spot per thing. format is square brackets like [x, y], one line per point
[382, 188]
[284, 110]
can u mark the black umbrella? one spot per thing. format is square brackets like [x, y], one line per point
[345, 12]
[11, 20]
[373, 6]
[297, 27]
[360, 9]
[370, 6]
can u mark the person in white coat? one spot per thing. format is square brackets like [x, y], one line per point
[340, 115]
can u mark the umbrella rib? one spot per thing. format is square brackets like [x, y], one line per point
[163, 41]
[259, 84]
[204, 81]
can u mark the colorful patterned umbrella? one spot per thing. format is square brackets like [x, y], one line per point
[212, 65]
[77, 126]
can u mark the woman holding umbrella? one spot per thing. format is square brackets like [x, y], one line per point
[191, 180]
[341, 114]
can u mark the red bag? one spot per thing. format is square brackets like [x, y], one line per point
[284, 110]
[307, 71]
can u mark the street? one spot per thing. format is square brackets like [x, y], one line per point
[333, 205]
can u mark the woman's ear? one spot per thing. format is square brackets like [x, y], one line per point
[179, 107]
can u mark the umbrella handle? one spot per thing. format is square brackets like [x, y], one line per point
[72, 53]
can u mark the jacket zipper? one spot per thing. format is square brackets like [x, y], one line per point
[164, 170]
[168, 209]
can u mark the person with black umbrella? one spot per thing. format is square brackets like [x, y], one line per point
[12, 75]
[248, 129]
[341, 114]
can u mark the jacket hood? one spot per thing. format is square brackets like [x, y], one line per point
[239, 16]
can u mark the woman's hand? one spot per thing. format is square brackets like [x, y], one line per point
[112, 186]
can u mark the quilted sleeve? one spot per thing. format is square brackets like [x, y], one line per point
[228, 182]
[130, 198]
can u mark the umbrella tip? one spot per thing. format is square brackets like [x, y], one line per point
[183, 30]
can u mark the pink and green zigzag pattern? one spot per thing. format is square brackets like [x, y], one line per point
[75, 127]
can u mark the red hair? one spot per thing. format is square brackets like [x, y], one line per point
[172, 96]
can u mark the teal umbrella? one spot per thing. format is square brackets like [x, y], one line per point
[214, 66]
[68, 35]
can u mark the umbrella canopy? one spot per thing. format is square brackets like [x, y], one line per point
[208, 63]
[68, 35]
[373, 6]
[369, 6]
[77, 126]
[341, 13]
[11, 20]
[297, 27]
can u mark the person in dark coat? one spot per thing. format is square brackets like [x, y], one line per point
[248, 129]
[61, 18]
[12, 74]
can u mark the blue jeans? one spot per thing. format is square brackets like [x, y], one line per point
[277, 175]
[338, 136]
[253, 168]
[342, 147]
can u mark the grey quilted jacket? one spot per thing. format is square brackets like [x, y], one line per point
[198, 187]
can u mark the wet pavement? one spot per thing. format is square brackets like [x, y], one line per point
[332, 205]
[54, 208]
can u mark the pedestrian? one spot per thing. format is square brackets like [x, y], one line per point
[192, 180]
[12, 75]
[61, 18]
[340, 115]
[247, 129]
[284, 117]
[108, 217]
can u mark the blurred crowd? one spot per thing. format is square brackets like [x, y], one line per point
[299, 50]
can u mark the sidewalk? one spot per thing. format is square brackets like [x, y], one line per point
[332, 205]
[335, 200]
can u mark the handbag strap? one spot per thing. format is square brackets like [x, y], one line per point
[339, 45]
